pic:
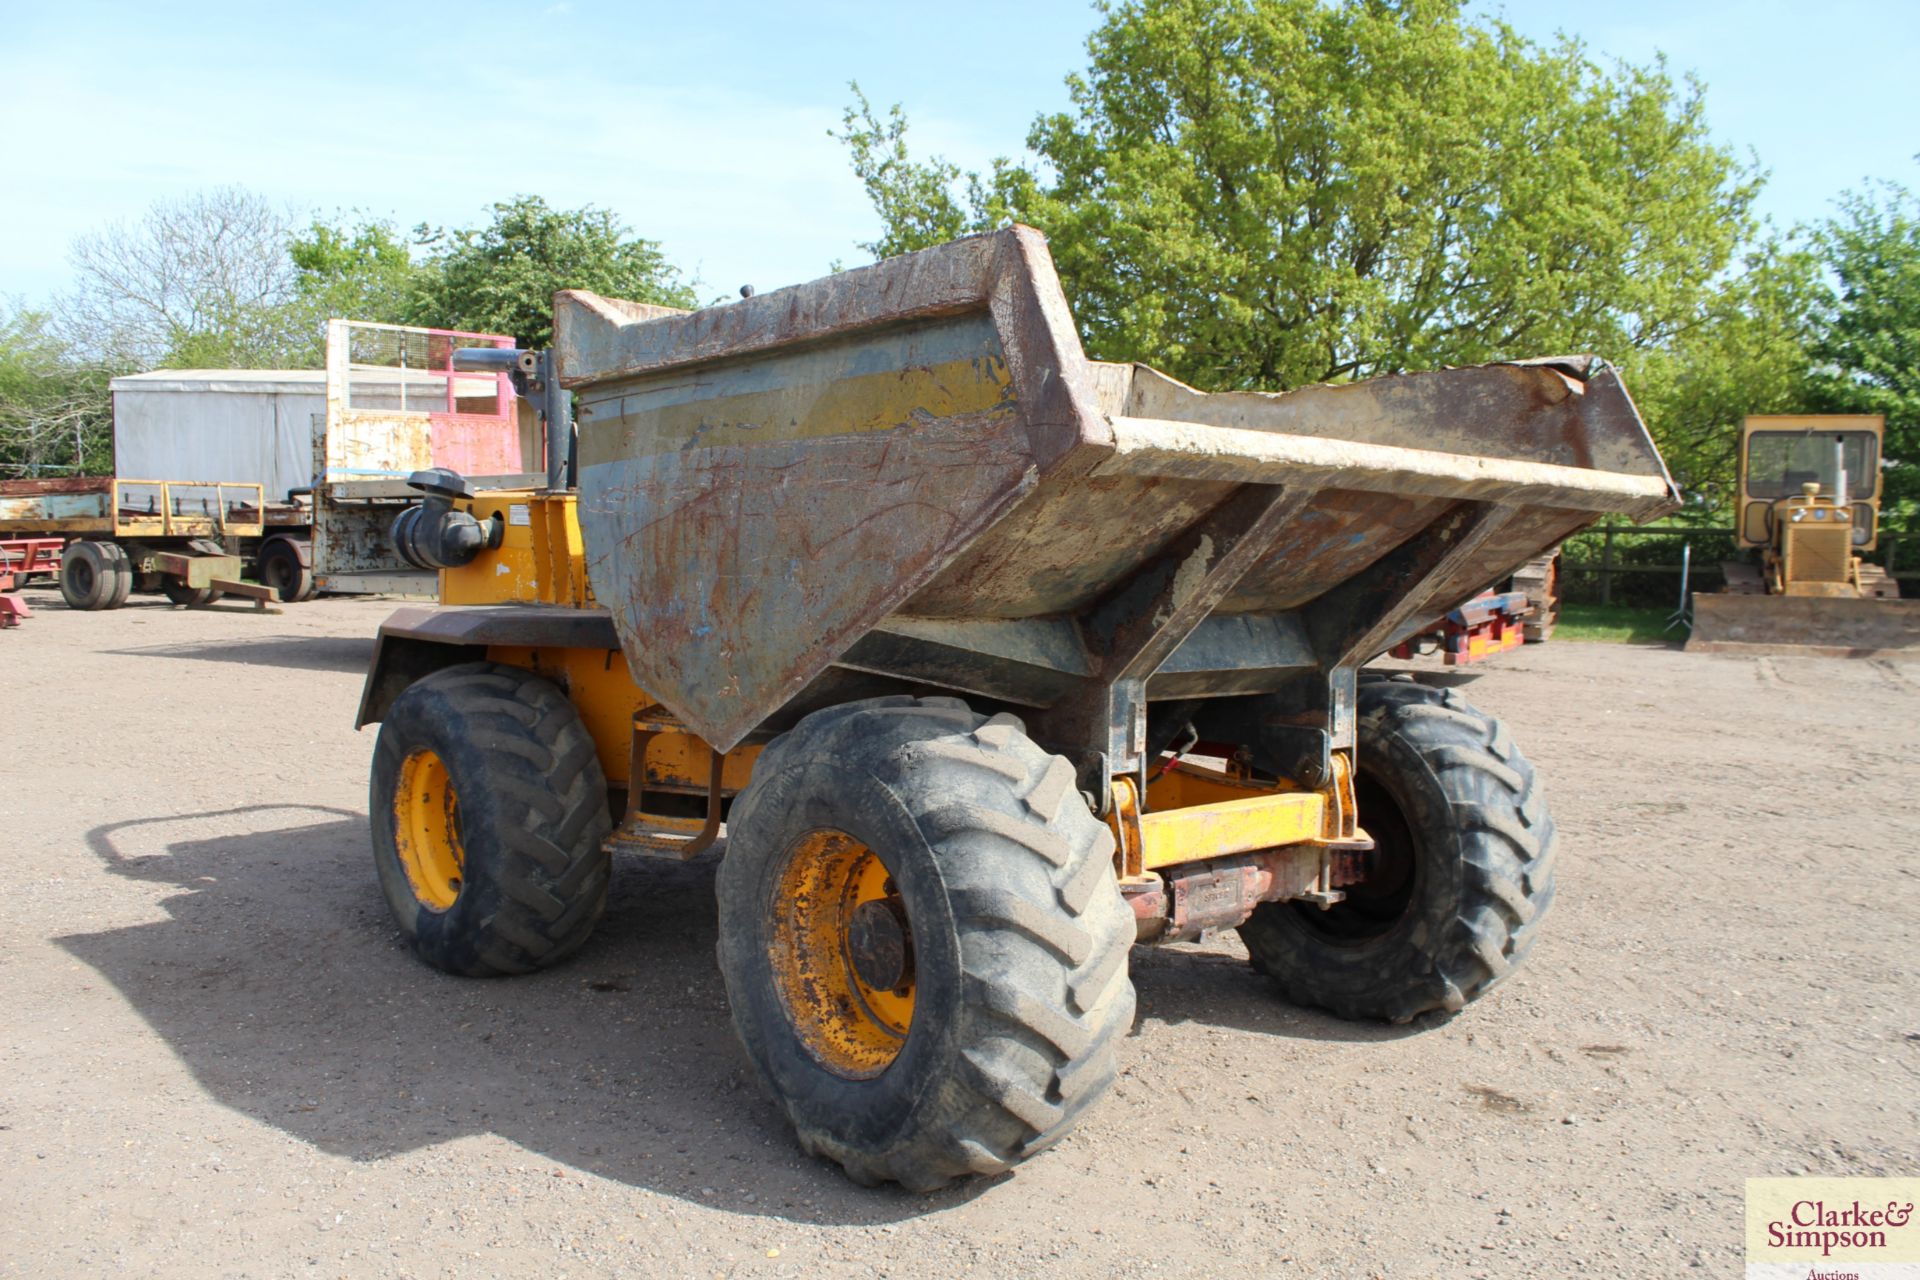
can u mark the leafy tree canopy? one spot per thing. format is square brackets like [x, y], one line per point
[1278, 192]
[1270, 193]
[1868, 352]
[54, 407]
[358, 270]
[501, 278]
[198, 281]
[221, 279]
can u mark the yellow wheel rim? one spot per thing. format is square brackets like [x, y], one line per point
[843, 954]
[426, 827]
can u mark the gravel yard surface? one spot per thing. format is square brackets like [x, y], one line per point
[219, 1060]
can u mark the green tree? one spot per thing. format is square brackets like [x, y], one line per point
[916, 200]
[1277, 192]
[356, 270]
[501, 278]
[55, 412]
[1869, 351]
[1745, 351]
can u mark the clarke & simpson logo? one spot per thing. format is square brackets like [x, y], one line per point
[1833, 1229]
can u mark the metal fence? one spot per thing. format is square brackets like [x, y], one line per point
[1642, 564]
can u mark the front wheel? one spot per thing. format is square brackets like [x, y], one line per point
[1461, 873]
[489, 816]
[923, 941]
[280, 567]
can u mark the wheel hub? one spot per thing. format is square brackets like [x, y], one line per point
[842, 951]
[878, 944]
[426, 825]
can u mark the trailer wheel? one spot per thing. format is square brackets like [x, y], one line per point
[1460, 878]
[123, 573]
[923, 942]
[280, 567]
[94, 575]
[192, 597]
[489, 816]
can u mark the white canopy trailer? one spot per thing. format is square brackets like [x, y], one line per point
[296, 474]
[220, 424]
[331, 448]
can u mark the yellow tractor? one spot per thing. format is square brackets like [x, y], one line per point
[1809, 505]
[978, 662]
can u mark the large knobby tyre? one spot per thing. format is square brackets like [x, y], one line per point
[94, 575]
[923, 941]
[280, 567]
[489, 816]
[1460, 877]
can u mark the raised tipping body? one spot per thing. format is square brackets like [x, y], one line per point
[992, 659]
[913, 471]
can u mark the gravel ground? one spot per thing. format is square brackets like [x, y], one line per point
[220, 1061]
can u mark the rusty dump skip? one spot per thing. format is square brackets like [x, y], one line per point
[911, 472]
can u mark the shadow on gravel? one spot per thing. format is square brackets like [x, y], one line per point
[280, 982]
[1180, 984]
[302, 653]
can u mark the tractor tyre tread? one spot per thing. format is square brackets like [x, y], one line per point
[534, 819]
[1040, 929]
[1475, 802]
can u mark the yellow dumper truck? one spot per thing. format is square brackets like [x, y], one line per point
[992, 662]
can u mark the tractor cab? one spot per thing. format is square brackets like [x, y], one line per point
[1809, 498]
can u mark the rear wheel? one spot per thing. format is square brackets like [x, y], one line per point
[1460, 876]
[924, 945]
[281, 568]
[123, 574]
[94, 575]
[489, 816]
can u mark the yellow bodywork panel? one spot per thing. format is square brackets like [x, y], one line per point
[540, 559]
[600, 689]
[608, 700]
[1195, 813]
[1170, 837]
[679, 762]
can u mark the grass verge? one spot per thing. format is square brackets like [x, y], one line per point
[1616, 624]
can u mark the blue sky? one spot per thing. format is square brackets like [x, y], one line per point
[705, 127]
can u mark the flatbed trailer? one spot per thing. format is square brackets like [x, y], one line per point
[297, 473]
[182, 538]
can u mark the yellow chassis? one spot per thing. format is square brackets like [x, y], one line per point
[1192, 813]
